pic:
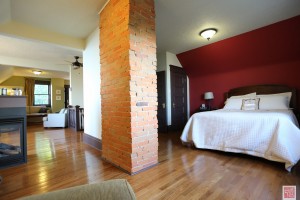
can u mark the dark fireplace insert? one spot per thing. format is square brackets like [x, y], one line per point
[13, 150]
[12, 142]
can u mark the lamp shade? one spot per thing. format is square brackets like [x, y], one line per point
[208, 95]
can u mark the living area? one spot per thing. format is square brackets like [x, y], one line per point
[43, 96]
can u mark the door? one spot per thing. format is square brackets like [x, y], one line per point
[67, 89]
[161, 108]
[178, 97]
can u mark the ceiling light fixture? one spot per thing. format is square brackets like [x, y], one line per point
[37, 72]
[208, 33]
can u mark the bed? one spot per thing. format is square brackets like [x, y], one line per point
[269, 133]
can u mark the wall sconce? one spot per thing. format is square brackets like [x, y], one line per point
[37, 72]
[208, 33]
[208, 96]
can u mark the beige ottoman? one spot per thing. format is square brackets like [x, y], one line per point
[112, 189]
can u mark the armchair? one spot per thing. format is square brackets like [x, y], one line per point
[56, 119]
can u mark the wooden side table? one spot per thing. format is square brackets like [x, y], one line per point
[206, 109]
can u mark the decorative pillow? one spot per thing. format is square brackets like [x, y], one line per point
[235, 102]
[271, 102]
[250, 104]
[43, 110]
[287, 94]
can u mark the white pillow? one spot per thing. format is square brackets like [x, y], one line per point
[272, 102]
[288, 94]
[250, 104]
[62, 111]
[250, 95]
[233, 104]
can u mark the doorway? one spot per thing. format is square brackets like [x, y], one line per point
[161, 98]
[67, 90]
[178, 97]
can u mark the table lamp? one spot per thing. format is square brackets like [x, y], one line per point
[208, 96]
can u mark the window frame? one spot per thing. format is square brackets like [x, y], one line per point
[40, 82]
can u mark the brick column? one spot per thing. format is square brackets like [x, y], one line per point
[128, 84]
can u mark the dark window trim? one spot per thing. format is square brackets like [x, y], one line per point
[39, 82]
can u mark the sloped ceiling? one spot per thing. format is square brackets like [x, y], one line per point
[45, 35]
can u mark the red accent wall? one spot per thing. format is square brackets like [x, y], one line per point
[268, 55]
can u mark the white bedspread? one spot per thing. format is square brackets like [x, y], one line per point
[273, 135]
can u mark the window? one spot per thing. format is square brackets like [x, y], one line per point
[42, 94]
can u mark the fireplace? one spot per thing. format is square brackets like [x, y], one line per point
[12, 131]
[12, 142]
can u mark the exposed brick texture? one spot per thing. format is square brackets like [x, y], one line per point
[128, 84]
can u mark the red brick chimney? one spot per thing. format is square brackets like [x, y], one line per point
[128, 84]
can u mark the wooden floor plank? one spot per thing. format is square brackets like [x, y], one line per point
[58, 159]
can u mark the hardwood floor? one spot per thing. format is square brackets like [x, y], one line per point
[58, 159]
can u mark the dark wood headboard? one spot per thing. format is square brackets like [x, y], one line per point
[265, 89]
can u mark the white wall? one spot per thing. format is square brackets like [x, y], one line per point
[91, 86]
[6, 73]
[76, 87]
[5, 11]
[164, 60]
[161, 62]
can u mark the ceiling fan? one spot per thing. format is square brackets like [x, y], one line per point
[76, 64]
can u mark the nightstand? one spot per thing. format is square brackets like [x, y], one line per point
[206, 109]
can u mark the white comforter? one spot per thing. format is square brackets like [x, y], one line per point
[273, 135]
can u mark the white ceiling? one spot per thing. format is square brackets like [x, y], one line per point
[36, 50]
[28, 72]
[77, 18]
[73, 18]
[178, 23]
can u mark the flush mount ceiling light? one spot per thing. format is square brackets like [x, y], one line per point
[37, 72]
[208, 33]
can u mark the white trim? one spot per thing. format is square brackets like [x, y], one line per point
[103, 7]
